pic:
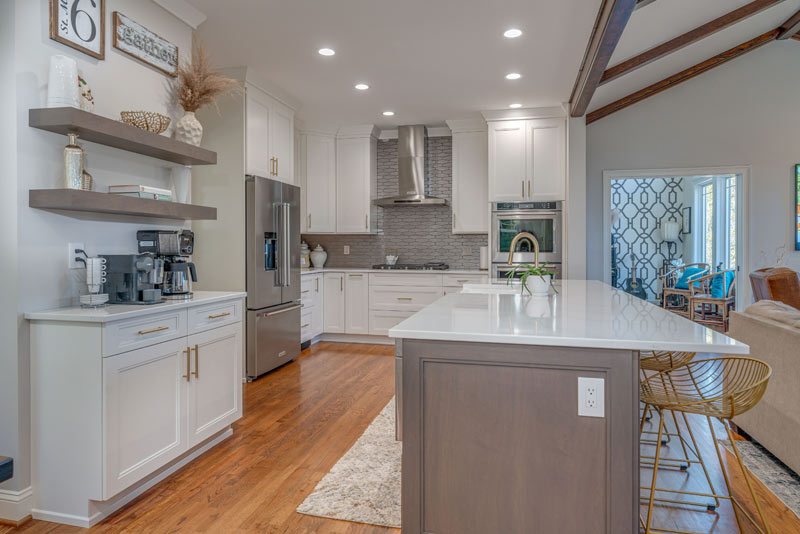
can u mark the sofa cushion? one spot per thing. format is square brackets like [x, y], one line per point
[775, 311]
[690, 273]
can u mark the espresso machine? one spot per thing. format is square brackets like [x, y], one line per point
[174, 248]
[133, 278]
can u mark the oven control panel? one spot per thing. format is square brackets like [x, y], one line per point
[516, 206]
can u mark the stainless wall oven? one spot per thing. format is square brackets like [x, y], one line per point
[542, 219]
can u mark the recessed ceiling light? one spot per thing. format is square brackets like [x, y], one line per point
[388, 113]
[513, 76]
[326, 52]
[512, 33]
[515, 106]
[362, 86]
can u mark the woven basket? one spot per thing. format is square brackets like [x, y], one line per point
[146, 120]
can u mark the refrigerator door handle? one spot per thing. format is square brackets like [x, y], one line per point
[287, 257]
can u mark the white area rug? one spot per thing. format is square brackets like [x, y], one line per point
[364, 485]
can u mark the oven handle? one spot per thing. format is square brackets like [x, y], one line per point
[530, 213]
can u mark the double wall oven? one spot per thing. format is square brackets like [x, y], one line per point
[542, 219]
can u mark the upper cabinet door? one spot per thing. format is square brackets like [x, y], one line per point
[258, 157]
[282, 142]
[320, 163]
[470, 183]
[507, 166]
[547, 157]
[355, 177]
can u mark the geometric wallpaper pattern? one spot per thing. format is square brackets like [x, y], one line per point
[643, 203]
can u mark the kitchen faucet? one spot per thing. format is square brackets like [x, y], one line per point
[528, 237]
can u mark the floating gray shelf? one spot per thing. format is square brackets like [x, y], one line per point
[104, 131]
[75, 200]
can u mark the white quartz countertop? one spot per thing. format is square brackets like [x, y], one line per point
[391, 271]
[587, 314]
[116, 312]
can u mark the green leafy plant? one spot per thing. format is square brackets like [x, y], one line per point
[526, 270]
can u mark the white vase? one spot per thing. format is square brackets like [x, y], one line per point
[538, 285]
[62, 82]
[319, 257]
[188, 129]
[181, 183]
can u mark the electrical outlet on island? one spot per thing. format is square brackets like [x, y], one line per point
[591, 397]
[347, 250]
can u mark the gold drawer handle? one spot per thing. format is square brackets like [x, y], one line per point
[159, 329]
[196, 371]
[404, 298]
[305, 325]
[306, 291]
[217, 316]
[462, 281]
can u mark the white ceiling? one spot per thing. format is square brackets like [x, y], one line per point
[663, 20]
[426, 60]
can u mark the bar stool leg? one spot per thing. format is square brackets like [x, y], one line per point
[724, 473]
[702, 463]
[655, 472]
[746, 478]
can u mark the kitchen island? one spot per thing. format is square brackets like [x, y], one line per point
[488, 389]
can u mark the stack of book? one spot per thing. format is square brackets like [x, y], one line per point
[141, 191]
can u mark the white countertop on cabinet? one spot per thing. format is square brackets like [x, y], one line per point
[116, 312]
[312, 270]
[585, 313]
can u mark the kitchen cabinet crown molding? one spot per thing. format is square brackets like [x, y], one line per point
[357, 131]
[554, 112]
[466, 125]
[247, 75]
[184, 11]
[433, 131]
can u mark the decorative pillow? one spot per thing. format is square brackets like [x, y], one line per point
[690, 273]
[720, 283]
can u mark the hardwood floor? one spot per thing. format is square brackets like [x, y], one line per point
[298, 421]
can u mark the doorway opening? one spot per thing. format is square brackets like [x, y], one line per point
[660, 221]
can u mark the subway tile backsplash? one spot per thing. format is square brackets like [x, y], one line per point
[419, 233]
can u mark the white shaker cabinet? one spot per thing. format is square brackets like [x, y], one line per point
[318, 312]
[320, 183]
[269, 143]
[527, 160]
[333, 302]
[312, 287]
[356, 180]
[470, 177]
[282, 142]
[356, 286]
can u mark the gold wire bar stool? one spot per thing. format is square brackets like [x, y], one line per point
[658, 361]
[720, 388]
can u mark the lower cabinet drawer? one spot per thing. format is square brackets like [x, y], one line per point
[405, 279]
[306, 325]
[394, 298]
[381, 321]
[139, 332]
[208, 316]
[307, 291]
[458, 280]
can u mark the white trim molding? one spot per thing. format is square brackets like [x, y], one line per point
[467, 125]
[16, 505]
[433, 131]
[184, 11]
[554, 112]
[743, 290]
[358, 131]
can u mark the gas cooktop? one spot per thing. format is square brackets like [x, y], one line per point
[413, 266]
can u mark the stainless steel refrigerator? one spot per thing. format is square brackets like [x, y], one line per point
[273, 274]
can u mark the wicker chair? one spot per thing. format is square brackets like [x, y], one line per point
[720, 388]
[668, 282]
[707, 310]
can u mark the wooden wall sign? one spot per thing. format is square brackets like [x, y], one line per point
[139, 42]
[80, 24]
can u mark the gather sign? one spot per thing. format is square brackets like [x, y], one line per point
[139, 42]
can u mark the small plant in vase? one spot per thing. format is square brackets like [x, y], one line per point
[535, 280]
[198, 85]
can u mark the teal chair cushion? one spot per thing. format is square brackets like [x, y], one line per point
[690, 273]
[720, 284]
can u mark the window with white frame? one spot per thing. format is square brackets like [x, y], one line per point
[716, 219]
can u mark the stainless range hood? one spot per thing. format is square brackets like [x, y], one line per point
[411, 170]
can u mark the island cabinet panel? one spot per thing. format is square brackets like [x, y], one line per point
[492, 440]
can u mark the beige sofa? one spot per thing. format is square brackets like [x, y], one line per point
[772, 329]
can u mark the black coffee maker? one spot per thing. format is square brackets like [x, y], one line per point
[175, 248]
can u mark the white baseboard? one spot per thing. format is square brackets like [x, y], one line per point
[16, 505]
[356, 338]
[102, 509]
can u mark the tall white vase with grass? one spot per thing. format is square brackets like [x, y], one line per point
[188, 129]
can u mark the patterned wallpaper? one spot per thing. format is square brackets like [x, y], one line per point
[643, 204]
[419, 233]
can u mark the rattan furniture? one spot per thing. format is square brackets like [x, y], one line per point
[680, 297]
[708, 310]
[720, 388]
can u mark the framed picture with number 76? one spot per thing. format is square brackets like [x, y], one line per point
[80, 24]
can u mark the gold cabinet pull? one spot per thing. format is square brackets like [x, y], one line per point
[359, 275]
[196, 371]
[404, 298]
[523, 188]
[462, 281]
[366, 222]
[309, 220]
[188, 352]
[159, 329]
[529, 188]
[316, 280]
[217, 316]
[305, 325]
[341, 283]
[276, 166]
[306, 291]
[454, 219]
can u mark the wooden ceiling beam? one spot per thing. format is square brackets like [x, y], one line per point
[790, 27]
[682, 76]
[686, 39]
[611, 21]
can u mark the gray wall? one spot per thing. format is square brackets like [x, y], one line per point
[745, 112]
[419, 233]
